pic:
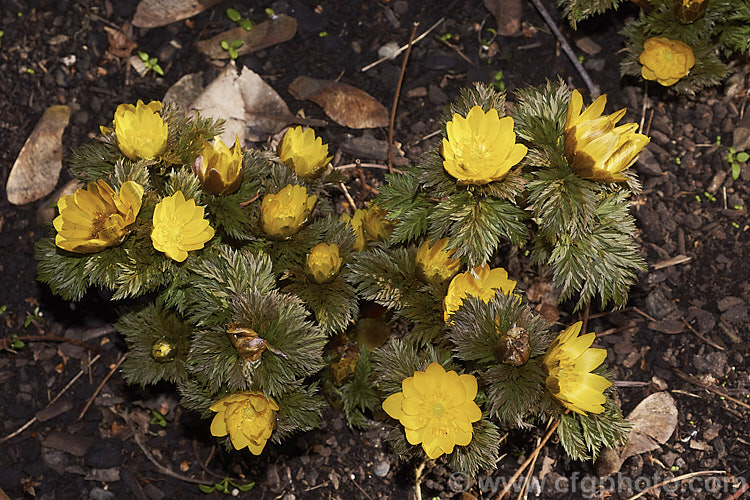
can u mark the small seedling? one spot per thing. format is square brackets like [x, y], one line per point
[698, 198]
[735, 225]
[243, 22]
[270, 13]
[445, 37]
[734, 158]
[581, 58]
[226, 486]
[232, 48]
[737, 207]
[486, 42]
[678, 160]
[1, 37]
[33, 316]
[158, 419]
[497, 81]
[323, 34]
[3, 308]
[151, 63]
[718, 140]
[30, 71]
[709, 196]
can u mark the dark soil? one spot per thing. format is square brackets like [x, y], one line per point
[658, 342]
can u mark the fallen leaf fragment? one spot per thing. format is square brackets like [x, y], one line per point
[155, 13]
[263, 35]
[37, 168]
[48, 210]
[507, 15]
[120, 43]
[654, 420]
[346, 105]
[185, 91]
[251, 108]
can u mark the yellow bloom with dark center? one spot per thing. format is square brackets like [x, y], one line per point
[283, 214]
[140, 131]
[436, 408]
[96, 217]
[219, 168]
[248, 417]
[688, 11]
[323, 262]
[569, 361]
[665, 60]
[375, 225]
[179, 227]
[304, 152]
[355, 222]
[434, 263]
[481, 147]
[481, 282]
[594, 147]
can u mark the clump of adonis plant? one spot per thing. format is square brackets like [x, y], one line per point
[249, 283]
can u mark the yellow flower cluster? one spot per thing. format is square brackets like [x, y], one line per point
[248, 417]
[284, 213]
[304, 152]
[569, 361]
[323, 262]
[435, 264]
[481, 147]
[481, 282]
[368, 224]
[140, 131]
[96, 217]
[436, 408]
[219, 168]
[179, 227]
[594, 147]
[665, 60]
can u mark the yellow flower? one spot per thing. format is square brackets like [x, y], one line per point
[304, 152]
[355, 222]
[480, 148]
[375, 225]
[594, 147]
[568, 364]
[323, 262]
[436, 409]
[665, 60]
[248, 417]
[434, 263]
[140, 131]
[687, 11]
[481, 282]
[283, 214]
[95, 218]
[219, 168]
[179, 227]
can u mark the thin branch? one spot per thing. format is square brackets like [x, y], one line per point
[347, 195]
[401, 49]
[593, 89]
[395, 97]
[5, 342]
[678, 478]
[98, 389]
[696, 381]
[418, 480]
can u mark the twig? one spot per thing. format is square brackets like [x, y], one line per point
[524, 493]
[700, 335]
[365, 165]
[593, 90]
[418, 480]
[585, 318]
[67, 386]
[359, 487]
[347, 195]
[401, 49]
[644, 314]
[4, 342]
[678, 478]
[163, 469]
[737, 494]
[531, 458]
[98, 389]
[204, 465]
[679, 259]
[395, 97]
[695, 380]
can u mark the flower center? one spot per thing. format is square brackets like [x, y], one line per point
[438, 409]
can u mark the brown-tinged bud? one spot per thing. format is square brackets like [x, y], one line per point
[513, 347]
[163, 350]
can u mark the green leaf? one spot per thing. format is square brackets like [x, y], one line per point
[735, 171]
[158, 69]
[742, 157]
[232, 53]
[236, 44]
[245, 487]
[206, 488]
[247, 24]
[224, 44]
[234, 15]
[143, 56]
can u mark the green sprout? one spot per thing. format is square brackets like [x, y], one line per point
[33, 316]
[486, 42]
[1, 37]
[737, 207]
[497, 81]
[226, 486]
[698, 198]
[152, 63]
[718, 140]
[734, 158]
[243, 22]
[735, 224]
[678, 160]
[709, 196]
[3, 308]
[323, 34]
[581, 58]
[270, 13]
[445, 37]
[30, 71]
[158, 419]
[232, 48]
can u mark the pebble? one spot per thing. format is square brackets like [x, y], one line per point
[658, 305]
[97, 493]
[381, 468]
[436, 96]
[714, 363]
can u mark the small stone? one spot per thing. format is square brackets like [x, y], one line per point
[728, 302]
[714, 363]
[647, 163]
[658, 383]
[97, 493]
[658, 305]
[381, 468]
[588, 45]
[436, 95]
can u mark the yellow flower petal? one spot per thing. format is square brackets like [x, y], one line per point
[392, 405]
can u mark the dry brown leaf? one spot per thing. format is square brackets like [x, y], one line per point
[251, 108]
[263, 35]
[507, 15]
[185, 91]
[120, 43]
[154, 13]
[346, 105]
[37, 168]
